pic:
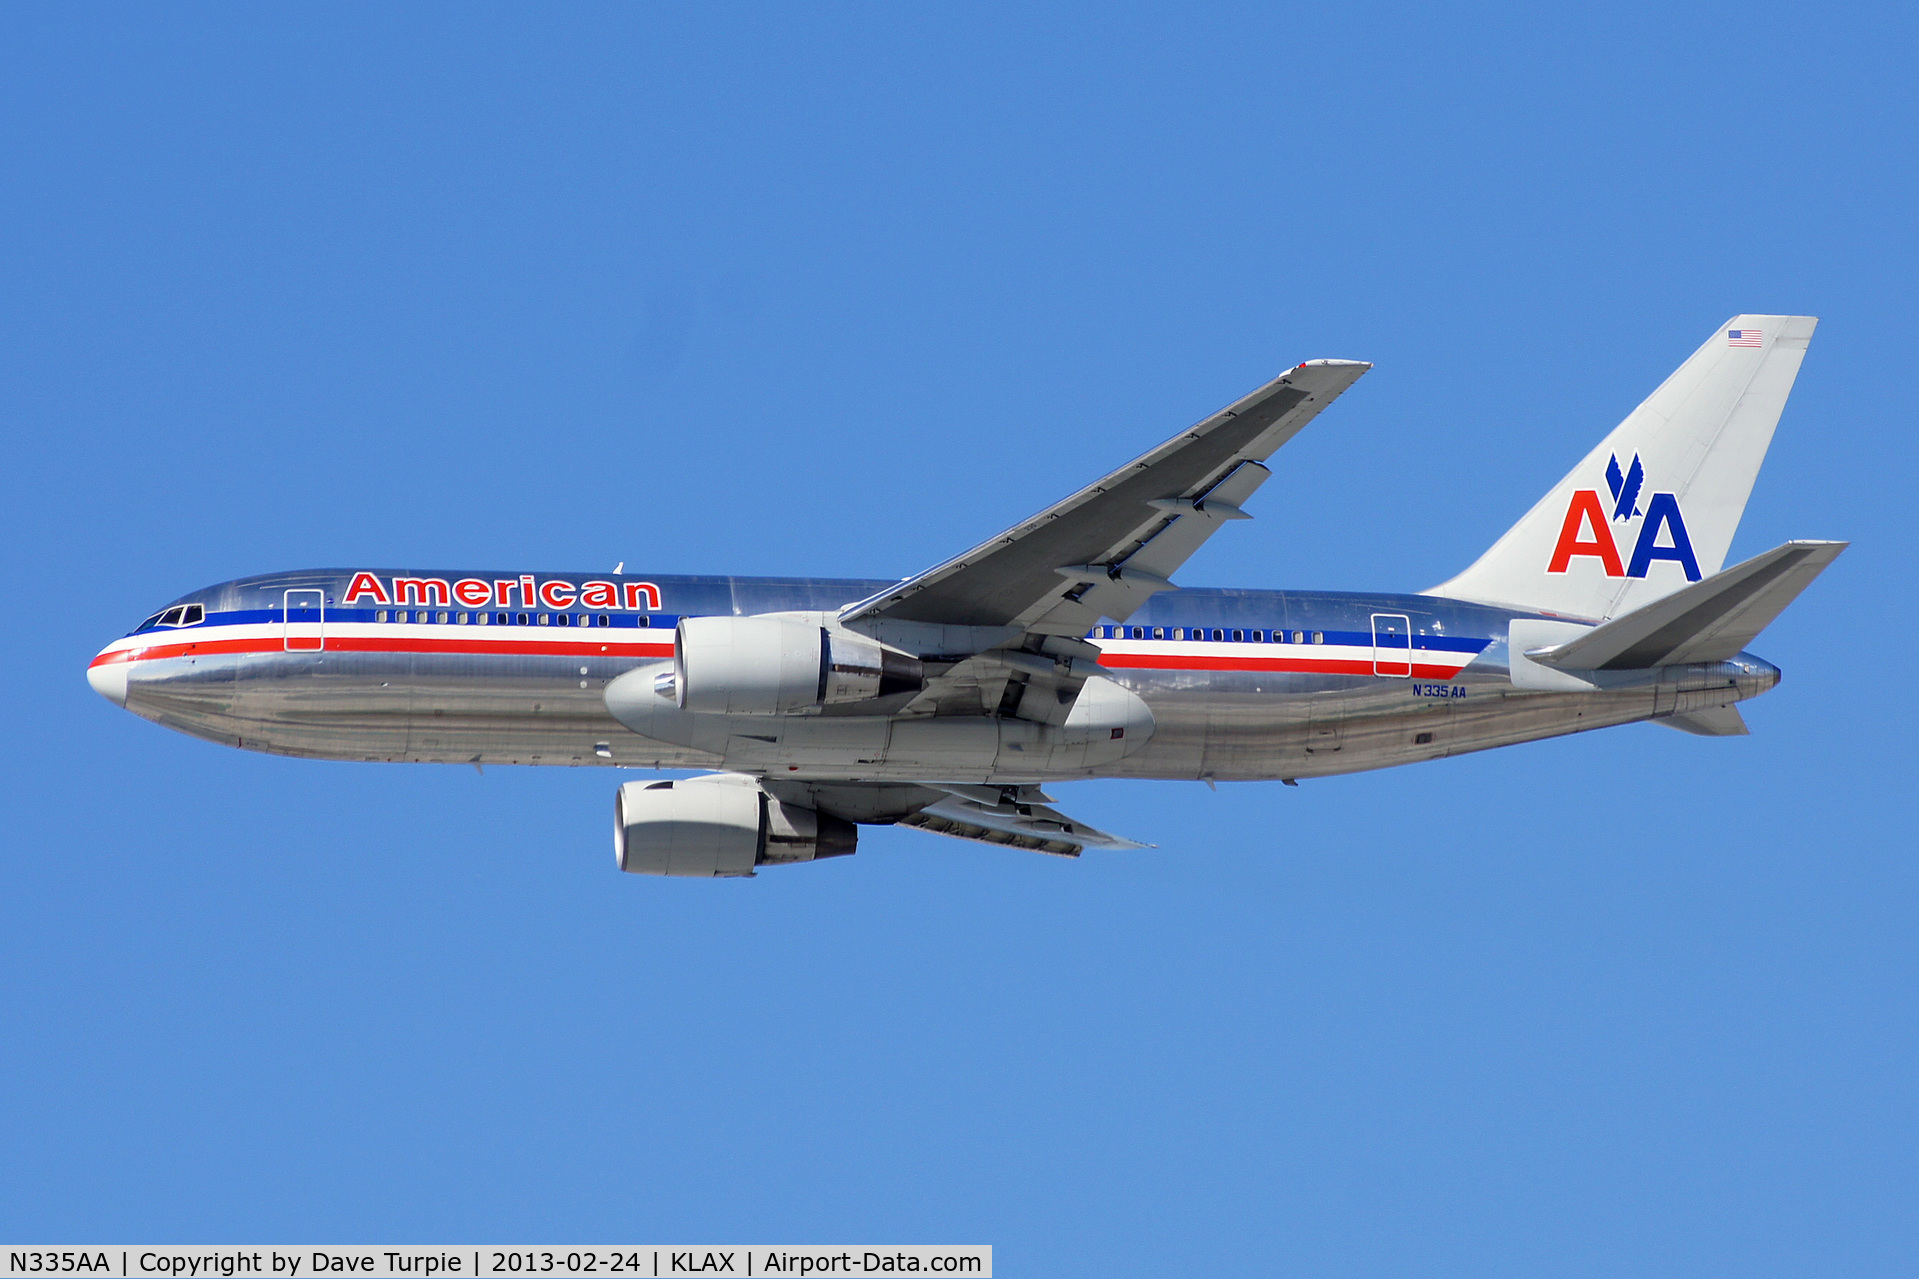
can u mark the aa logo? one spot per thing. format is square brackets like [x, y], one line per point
[1587, 531]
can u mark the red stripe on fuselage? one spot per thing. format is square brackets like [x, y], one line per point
[664, 648]
[383, 644]
[1288, 665]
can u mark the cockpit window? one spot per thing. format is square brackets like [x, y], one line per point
[178, 615]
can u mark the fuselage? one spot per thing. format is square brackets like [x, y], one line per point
[513, 668]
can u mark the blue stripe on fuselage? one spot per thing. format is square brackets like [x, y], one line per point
[1439, 625]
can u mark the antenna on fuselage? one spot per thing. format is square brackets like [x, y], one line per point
[619, 568]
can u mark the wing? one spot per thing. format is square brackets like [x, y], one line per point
[1016, 816]
[1105, 550]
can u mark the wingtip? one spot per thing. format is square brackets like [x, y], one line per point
[1335, 364]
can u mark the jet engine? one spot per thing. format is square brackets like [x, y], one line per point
[780, 666]
[718, 826]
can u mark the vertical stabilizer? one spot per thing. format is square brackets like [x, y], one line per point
[1655, 506]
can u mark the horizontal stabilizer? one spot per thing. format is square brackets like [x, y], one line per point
[1714, 721]
[1709, 621]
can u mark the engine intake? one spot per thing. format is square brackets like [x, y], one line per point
[718, 826]
[780, 666]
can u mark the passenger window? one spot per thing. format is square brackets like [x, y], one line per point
[483, 619]
[646, 621]
[1139, 632]
[459, 619]
[1299, 637]
[1159, 632]
[546, 619]
[522, 618]
[1219, 635]
[1239, 637]
[379, 615]
[605, 620]
[443, 615]
[1319, 637]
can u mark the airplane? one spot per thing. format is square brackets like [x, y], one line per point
[1058, 650]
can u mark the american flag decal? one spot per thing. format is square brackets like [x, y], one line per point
[1743, 337]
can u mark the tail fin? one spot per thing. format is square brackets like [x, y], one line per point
[1654, 507]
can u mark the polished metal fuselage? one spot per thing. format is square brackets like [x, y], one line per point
[394, 698]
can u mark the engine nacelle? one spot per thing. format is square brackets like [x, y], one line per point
[779, 666]
[717, 826]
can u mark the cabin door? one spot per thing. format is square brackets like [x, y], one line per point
[304, 625]
[1392, 645]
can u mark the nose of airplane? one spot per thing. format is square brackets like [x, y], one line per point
[108, 675]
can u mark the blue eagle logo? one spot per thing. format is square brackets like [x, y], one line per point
[1625, 488]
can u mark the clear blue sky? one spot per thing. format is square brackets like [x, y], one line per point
[840, 290]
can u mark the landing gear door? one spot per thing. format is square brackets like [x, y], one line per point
[1392, 645]
[304, 626]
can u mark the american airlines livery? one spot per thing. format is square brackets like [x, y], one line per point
[1060, 649]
